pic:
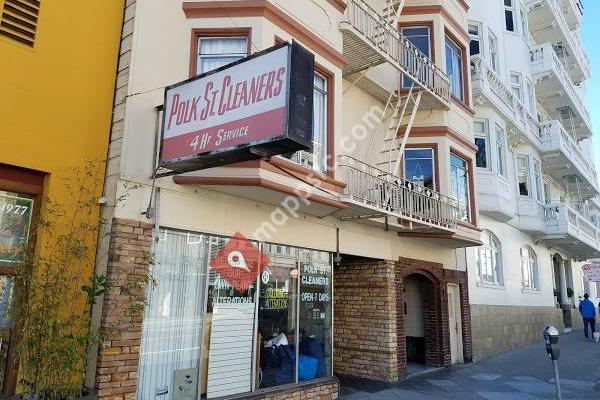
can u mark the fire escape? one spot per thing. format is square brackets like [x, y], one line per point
[385, 64]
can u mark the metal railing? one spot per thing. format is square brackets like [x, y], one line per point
[486, 78]
[379, 33]
[554, 132]
[545, 54]
[392, 195]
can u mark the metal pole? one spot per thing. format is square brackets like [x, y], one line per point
[556, 380]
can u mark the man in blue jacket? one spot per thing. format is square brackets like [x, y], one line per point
[588, 313]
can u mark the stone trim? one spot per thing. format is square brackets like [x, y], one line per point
[127, 274]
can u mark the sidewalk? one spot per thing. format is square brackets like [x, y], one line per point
[524, 374]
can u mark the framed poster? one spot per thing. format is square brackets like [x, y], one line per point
[15, 222]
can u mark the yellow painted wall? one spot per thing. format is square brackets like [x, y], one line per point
[56, 98]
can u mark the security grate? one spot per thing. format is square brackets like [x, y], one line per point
[19, 20]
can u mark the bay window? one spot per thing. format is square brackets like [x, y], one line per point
[516, 85]
[537, 171]
[493, 43]
[475, 36]
[459, 185]
[419, 36]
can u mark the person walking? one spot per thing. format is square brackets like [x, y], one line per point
[588, 313]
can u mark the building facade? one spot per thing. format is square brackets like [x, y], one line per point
[365, 235]
[55, 113]
[536, 180]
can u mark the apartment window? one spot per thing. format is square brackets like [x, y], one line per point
[214, 52]
[516, 85]
[454, 67]
[501, 150]
[509, 15]
[475, 43]
[547, 197]
[420, 37]
[537, 172]
[524, 28]
[531, 96]
[493, 43]
[419, 167]
[459, 185]
[489, 260]
[529, 268]
[523, 169]
[481, 141]
[317, 160]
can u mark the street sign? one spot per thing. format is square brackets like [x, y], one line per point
[257, 107]
[591, 272]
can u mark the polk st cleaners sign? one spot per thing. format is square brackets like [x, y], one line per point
[258, 106]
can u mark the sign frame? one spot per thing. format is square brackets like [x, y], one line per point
[298, 120]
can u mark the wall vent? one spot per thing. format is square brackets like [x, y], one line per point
[19, 20]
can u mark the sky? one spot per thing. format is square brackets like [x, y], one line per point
[590, 32]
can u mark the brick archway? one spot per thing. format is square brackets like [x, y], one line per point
[436, 327]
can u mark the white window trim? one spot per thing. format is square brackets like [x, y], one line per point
[501, 157]
[538, 179]
[478, 37]
[518, 86]
[514, 18]
[492, 49]
[498, 250]
[533, 259]
[485, 136]
[528, 175]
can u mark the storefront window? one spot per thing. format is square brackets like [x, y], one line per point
[204, 337]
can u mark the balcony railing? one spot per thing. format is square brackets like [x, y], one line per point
[378, 33]
[561, 219]
[573, 43]
[389, 195]
[555, 137]
[484, 78]
[545, 58]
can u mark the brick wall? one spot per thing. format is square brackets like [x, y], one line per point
[365, 342]
[127, 272]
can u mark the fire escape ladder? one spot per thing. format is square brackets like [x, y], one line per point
[415, 101]
[391, 12]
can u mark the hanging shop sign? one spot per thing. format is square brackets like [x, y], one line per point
[591, 272]
[15, 220]
[257, 107]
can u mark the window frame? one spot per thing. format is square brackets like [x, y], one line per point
[434, 161]
[516, 86]
[198, 33]
[531, 96]
[493, 51]
[510, 9]
[530, 265]
[538, 181]
[496, 259]
[469, 208]
[500, 151]
[464, 90]
[524, 23]
[478, 37]
[527, 175]
[485, 135]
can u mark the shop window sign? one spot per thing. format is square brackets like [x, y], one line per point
[15, 221]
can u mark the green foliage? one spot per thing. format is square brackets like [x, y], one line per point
[51, 313]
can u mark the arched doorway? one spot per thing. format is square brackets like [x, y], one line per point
[419, 304]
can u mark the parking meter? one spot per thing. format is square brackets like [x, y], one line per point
[551, 339]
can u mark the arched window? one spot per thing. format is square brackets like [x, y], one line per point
[530, 269]
[489, 260]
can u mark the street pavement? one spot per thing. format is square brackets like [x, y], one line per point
[524, 374]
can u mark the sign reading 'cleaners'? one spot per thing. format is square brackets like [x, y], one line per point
[261, 105]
